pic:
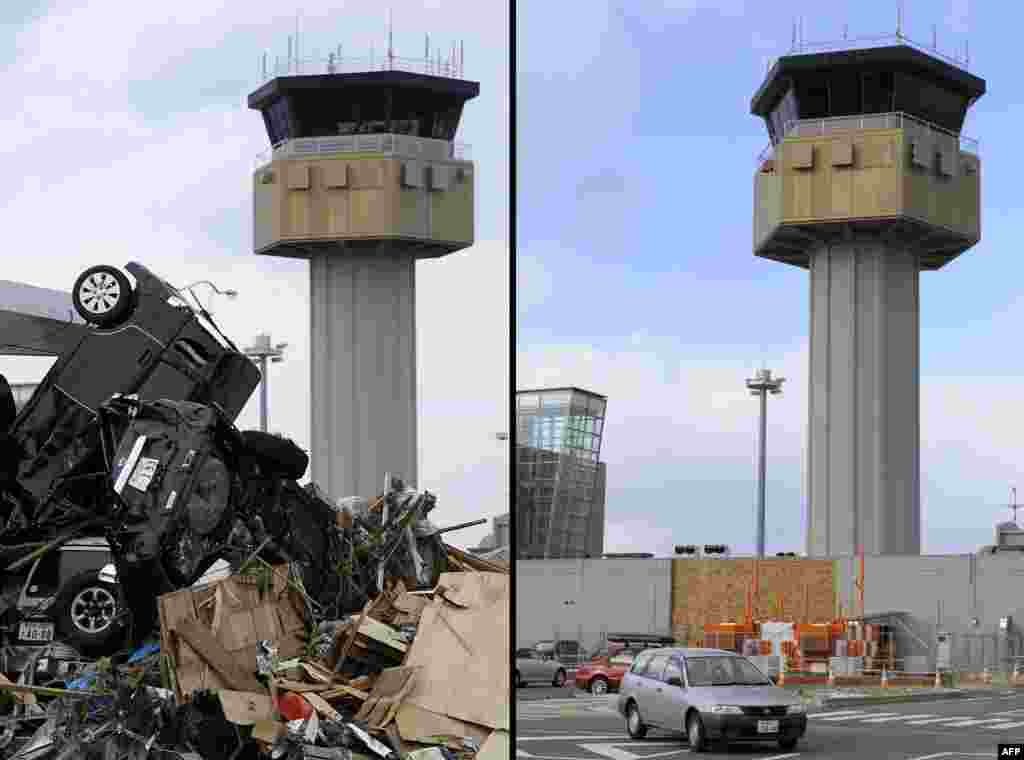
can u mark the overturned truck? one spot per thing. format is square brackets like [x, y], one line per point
[130, 438]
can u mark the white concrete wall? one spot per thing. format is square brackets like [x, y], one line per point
[618, 595]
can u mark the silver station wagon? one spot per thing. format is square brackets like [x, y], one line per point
[713, 696]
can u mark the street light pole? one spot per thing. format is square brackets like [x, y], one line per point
[260, 351]
[761, 385]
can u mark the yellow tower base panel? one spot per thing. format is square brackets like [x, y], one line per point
[918, 184]
[306, 204]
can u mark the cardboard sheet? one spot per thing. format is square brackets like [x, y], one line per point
[463, 653]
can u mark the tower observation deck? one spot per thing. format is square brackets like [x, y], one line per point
[867, 182]
[363, 177]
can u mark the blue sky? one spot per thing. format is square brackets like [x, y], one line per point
[127, 138]
[636, 277]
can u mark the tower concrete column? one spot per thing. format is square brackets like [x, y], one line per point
[363, 358]
[863, 432]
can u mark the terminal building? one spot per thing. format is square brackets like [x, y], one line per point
[560, 505]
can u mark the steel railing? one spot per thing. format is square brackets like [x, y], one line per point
[873, 41]
[398, 145]
[894, 120]
[335, 64]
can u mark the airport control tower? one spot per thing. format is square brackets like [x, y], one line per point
[364, 177]
[867, 182]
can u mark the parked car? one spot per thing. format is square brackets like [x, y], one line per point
[566, 652]
[64, 597]
[603, 674]
[532, 667]
[712, 696]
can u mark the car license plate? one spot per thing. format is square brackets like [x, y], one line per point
[767, 727]
[35, 631]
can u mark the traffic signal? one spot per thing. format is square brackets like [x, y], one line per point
[716, 549]
[687, 549]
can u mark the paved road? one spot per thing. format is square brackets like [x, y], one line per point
[587, 728]
[535, 691]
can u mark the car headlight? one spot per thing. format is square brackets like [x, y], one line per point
[724, 709]
[797, 709]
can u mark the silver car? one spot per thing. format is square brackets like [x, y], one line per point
[712, 696]
[531, 667]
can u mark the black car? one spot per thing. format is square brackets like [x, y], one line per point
[144, 340]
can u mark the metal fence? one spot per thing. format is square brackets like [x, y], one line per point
[398, 145]
[914, 126]
[875, 41]
[450, 66]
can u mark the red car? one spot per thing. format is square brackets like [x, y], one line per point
[603, 674]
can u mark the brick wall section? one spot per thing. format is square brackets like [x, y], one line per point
[715, 591]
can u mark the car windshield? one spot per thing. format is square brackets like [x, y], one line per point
[723, 671]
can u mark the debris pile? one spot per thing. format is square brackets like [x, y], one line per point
[343, 628]
[400, 653]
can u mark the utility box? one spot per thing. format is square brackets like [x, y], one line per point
[943, 651]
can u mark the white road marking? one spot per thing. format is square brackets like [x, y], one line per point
[1008, 725]
[938, 720]
[613, 752]
[950, 754]
[1010, 712]
[780, 757]
[835, 712]
[972, 722]
[888, 718]
[858, 716]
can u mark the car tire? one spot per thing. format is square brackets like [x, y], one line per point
[102, 295]
[635, 727]
[788, 744]
[598, 686]
[88, 612]
[695, 734]
[559, 680]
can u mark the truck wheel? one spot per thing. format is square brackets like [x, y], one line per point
[599, 686]
[88, 612]
[102, 295]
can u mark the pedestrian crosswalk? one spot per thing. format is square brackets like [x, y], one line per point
[545, 709]
[1010, 720]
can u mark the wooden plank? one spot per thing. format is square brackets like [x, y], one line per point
[341, 690]
[207, 646]
[298, 686]
[351, 639]
[321, 706]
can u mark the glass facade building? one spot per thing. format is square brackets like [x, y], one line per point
[561, 480]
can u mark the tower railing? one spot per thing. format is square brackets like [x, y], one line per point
[894, 120]
[334, 64]
[875, 41]
[398, 145]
